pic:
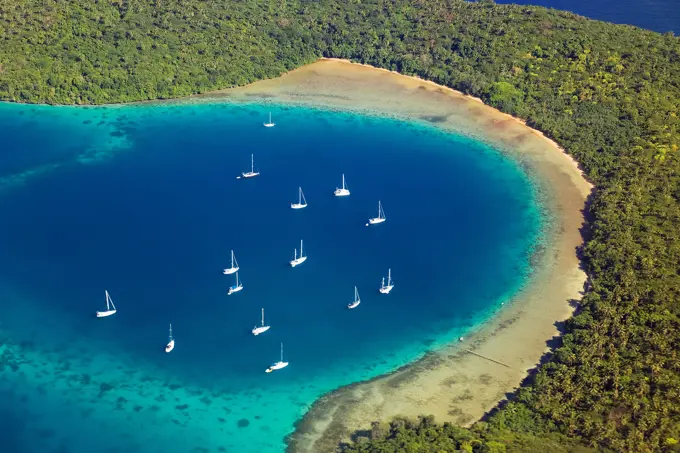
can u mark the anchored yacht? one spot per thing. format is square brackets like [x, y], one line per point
[110, 308]
[344, 191]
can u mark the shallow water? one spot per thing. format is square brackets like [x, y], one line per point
[144, 201]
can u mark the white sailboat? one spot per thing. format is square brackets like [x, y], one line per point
[385, 289]
[171, 344]
[262, 328]
[110, 308]
[302, 202]
[269, 124]
[252, 173]
[236, 288]
[381, 216]
[234, 265]
[298, 259]
[278, 365]
[357, 300]
[344, 191]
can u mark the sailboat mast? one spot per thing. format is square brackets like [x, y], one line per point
[301, 248]
[263, 317]
[170, 331]
[282, 352]
[232, 259]
[343, 181]
[107, 300]
[252, 163]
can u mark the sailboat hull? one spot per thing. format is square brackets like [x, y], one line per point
[297, 261]
[259, 330]
[230, 271]
[269, 124]
[234, 289]
[386, 289]
[104, 314]
[353, 304]
[276, 366]
[170, 346]
[376, 220]
[341, 192]
[250, 174]
[298, 205]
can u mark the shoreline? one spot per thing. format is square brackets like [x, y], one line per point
[462, 381]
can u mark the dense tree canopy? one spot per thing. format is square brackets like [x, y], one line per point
[609, 94]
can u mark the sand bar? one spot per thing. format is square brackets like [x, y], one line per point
[459, 383]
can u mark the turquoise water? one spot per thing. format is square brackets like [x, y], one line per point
[143, 201]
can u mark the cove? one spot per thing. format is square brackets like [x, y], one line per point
[143, 201]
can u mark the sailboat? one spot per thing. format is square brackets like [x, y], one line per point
[261, 329]
[236, 288]
[269, 124]
[171, 343]
[344, 191]
[302, 202]
[357, 300]
[298, 260]
[381, 216]
[234, 265]
[278, 365]
[385, 289]
[110, 308]
[252, 173]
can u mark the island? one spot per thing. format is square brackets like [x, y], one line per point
[607, 94]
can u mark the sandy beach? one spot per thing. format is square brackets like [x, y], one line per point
[463, 381]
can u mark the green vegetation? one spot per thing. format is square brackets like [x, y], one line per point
[609, 94]
[424, 436]
[94, 52]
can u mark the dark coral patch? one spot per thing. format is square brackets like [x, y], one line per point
[103, 388]
[243, 423]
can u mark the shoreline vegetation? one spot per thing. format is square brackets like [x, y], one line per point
[460, 382]
[608, 94]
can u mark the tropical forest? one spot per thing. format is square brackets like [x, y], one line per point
[608, 94]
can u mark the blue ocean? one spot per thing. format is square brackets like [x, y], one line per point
[658, 15]
[144, 201]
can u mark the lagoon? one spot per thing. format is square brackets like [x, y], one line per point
[144, 201]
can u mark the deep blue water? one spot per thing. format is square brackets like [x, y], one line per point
[144, 201]
[657, 15]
